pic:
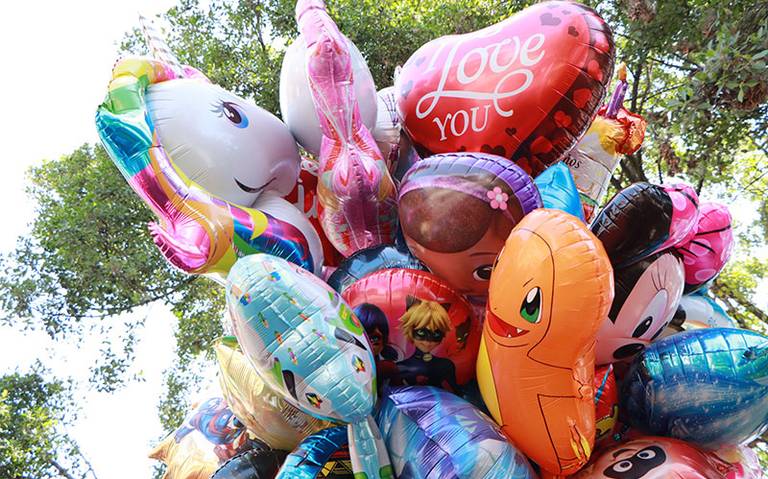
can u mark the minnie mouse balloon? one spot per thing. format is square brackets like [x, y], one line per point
[707, 386]
[647, 294]
[643, 219]
[526, 88]
[305, 343]
[706, 254]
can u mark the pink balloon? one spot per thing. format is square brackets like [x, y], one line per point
[356, 191]
[707, 252]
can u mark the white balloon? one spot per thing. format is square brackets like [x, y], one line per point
[296, 104]
[281, 209]
[226, 144]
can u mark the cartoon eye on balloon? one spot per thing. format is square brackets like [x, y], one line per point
[186, 147]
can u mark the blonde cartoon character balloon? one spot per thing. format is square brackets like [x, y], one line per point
[210, 165]
[550, 289]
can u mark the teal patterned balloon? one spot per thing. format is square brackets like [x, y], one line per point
[305, 342]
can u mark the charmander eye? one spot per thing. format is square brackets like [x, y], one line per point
[530, 310]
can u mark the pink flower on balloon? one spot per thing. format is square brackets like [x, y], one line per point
[498, 198]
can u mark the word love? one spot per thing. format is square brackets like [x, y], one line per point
[511, 58]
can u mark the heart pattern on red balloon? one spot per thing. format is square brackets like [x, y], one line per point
[526, 88]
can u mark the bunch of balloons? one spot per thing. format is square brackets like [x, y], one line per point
[435, 290]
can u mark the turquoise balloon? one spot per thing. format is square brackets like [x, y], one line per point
[558, 190]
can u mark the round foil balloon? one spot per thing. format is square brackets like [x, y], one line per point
[263, 412]
[208, 437]
[255, 464]
[370, 260]
[431, 433]
[457, 209]
[526, 88]
[558, 191]
[708, 387]
[421, 331]
[296, 106]
[323, 455]
[550, 290]
[660, 458]
[356, 191]
[306, 344]
[198, 231]
[643, 219]
[647, 294]
[706, 254]
[606, 404]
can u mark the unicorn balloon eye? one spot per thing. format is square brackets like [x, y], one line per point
[194, 121]
[233, 112]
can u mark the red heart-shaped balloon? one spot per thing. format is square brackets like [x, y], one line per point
[526, 88]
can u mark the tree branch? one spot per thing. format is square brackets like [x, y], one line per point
[722, 289]
[62, 472]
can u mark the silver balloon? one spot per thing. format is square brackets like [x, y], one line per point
[296, 104]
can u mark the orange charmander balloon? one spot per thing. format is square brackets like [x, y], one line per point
[551, 288]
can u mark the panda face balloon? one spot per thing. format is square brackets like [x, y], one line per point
[646, 297]
[224, 143]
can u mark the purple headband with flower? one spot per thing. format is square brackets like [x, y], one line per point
[454, 171]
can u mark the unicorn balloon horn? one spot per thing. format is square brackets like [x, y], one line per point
[355, 188]
[190, 149]
[614, 132]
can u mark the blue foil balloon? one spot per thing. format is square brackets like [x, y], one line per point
[313, 454]
[304, 341]
[370, 260]
[707, 386]
[431, 433]
[558, 190]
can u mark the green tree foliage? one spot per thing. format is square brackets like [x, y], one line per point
[33, 413]
[697, 71]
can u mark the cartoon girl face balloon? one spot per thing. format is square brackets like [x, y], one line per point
[457, 209]
[646, 297]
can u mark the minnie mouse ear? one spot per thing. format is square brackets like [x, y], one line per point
[644, 219]
[634, 223]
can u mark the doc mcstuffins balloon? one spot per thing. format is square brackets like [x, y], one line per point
[306, 344]
[551, 288]
[660, 458]
[558, 191]
[457, 209]
[705, 255]
[525, 89]
[431, 433]
[198, 232]
[356, 191]
[707, 386]
[647, 294]
[643, 219]
[421, 330]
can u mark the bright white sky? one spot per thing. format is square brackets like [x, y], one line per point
[57, 57]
